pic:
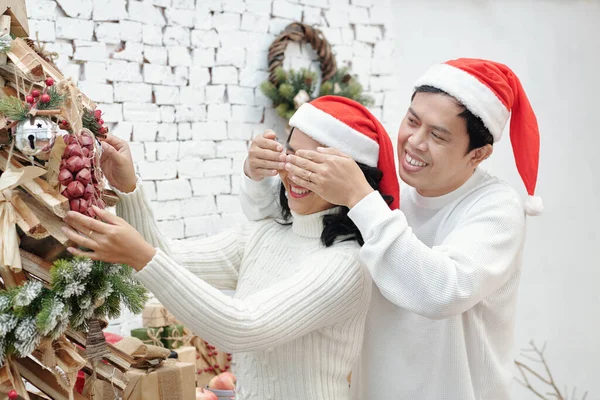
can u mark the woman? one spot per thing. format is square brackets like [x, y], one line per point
[296, 321]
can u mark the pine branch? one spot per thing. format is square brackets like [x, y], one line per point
[13, 108]
[80, 289]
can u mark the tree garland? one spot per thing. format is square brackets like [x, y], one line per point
[80, 290]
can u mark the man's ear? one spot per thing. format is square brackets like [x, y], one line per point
[476, 156]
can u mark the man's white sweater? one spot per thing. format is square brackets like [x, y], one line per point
[296, 321]
[446, 272]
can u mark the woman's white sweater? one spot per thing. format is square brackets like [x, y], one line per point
[296, 321]
[446, 272]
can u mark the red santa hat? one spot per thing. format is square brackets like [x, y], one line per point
[492, 91]
[348, 126]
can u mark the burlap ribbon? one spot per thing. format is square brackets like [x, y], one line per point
[9, 239]
[154, 337]
[10, 373]
[61, 357]
[145, 356]
[72, 108]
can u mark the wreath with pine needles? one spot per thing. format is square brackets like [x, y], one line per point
[290, 84]
[290, 89]
[80, 290]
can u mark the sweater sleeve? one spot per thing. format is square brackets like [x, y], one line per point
[327, 288]
[476, 258]
[216, 259]
[259, 200]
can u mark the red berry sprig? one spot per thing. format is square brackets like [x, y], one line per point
[103, 130]
[36, 96]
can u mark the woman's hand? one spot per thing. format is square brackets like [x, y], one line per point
[117, 164]
[265, 157]
[329, 173]
[111, 240]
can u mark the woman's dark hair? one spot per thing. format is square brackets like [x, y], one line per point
[339, 226]
[479, 135]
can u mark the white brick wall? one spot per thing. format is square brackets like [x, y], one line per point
[180, 78]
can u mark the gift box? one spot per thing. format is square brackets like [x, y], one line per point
[170, 381]
[186, 354]
[210, 361]
[151, 336]
[174, 337]
[155, 315]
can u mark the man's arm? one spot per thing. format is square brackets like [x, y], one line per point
[473, 261]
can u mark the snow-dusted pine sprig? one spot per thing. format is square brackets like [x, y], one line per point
[5, 302]
[54, 310]
[28, 293]
[27, 337]
[7, 324]
[82, 268]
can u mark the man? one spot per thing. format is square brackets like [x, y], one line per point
[447, 266]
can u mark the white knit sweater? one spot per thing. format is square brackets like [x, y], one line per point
[446, 269]
[296, 321]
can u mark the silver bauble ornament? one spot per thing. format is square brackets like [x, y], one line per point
[35, 137]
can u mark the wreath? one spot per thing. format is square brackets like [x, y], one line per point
[288, 90]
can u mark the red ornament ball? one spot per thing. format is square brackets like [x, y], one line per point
[97, 114]
[35, 93]
[45, 98]
[29, 99]
[49, 81]
[12, 395]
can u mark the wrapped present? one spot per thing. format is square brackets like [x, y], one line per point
[144, 355]
[155, 315]
[171, 380]
[210, 361]
[151, 336]
[186, 354]
[175, 336]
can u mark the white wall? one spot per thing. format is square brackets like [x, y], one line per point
[553, 46]
[179, 79]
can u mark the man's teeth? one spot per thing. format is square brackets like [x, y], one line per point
[299, 191]
[414, 162]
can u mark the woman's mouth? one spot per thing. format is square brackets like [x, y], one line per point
[298, 192]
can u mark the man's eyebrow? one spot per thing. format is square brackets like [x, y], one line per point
[441, 129]
[413, 113]
[435, 127]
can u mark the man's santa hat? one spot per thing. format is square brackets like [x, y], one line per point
[348, 126]
[492, 92]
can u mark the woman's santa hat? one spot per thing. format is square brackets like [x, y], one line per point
[492, 91]
[348, 126]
